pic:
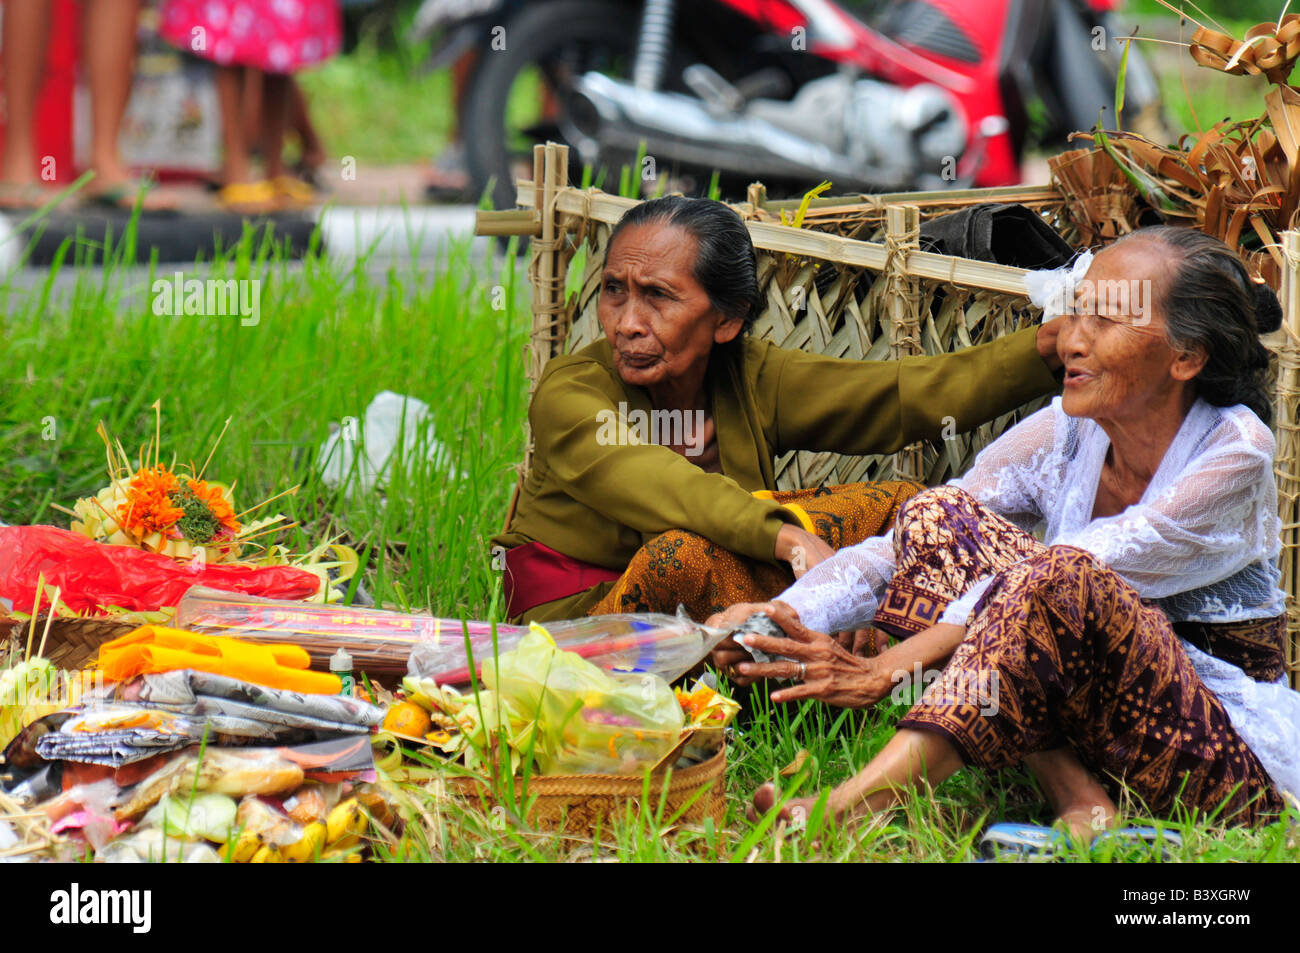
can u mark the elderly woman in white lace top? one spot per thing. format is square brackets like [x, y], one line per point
[1143, 641]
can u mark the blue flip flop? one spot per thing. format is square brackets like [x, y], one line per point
[1035, 842]
[1021, 842]
[1154, 838]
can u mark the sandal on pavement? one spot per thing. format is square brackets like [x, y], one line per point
[251, 198]
[310, 172]
[23, 197]
[294, 192]
[124, 196]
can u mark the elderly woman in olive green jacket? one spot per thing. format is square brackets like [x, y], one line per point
[652, 476]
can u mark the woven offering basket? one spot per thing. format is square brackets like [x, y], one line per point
[71, 643]
[578, 804]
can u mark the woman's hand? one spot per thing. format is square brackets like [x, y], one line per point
[727, 654]
[800, 548]
[1046, 341]
[864, 643]
[828, 673]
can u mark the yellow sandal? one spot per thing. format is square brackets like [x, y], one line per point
[252, 198]
[294, 192]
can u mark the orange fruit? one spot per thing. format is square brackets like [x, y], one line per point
[408, 718]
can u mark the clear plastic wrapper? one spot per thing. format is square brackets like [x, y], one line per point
[151, 845]
[429, 647]
[650, 643]
[379, 641]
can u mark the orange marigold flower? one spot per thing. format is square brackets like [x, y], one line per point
[149, 508]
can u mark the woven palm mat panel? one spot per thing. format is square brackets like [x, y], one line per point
[825, 308]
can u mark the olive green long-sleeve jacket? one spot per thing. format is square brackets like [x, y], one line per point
[599, 502]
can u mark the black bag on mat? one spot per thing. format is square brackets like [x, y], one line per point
[1004, 234]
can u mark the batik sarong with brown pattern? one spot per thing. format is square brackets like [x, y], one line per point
[1061, 651]
[681, 567]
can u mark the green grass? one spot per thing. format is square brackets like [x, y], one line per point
[380, 105]
[83, 345]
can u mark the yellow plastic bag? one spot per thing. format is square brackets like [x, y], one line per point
[587, 720]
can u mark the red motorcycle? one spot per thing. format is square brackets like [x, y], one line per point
[875, 96]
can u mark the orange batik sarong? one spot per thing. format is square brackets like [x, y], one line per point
[681, 567]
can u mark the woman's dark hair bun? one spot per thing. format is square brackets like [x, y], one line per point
[1268, 310]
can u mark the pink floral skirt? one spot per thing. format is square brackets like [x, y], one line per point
[277, 36]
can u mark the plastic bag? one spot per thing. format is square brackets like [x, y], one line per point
[394, 426]
[201, 817]
[586, 720]
[151, 845]
[427, 647]
[650, 643]
[378, 640]
[90, 574]
[232, 771]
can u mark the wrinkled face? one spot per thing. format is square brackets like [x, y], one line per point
[656, 316]
[1118, 361]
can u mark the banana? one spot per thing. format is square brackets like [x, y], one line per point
[267, 855]
[305, 850]
[242, 850]
[345, 824]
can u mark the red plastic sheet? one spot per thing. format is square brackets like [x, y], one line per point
[90, 574]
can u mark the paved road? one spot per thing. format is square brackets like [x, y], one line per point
[416, 236]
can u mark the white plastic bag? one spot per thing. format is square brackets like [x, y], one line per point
[363, 450]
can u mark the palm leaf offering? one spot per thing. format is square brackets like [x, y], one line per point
[1237, 181]
[165, 509]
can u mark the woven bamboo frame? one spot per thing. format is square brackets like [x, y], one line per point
[829, 291]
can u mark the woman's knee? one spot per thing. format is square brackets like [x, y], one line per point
[673, 544]
[922, 518]
[1059, 575]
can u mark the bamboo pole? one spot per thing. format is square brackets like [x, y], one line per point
[952, 198]
[547, 272]
[903, 239]
[1287, 428]
[767, 236]
[514, 221]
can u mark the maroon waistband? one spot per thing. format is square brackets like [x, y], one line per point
[535, 574]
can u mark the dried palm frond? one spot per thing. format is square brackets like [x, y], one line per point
[1100, 202]
[1238, 181]
[1268, 48]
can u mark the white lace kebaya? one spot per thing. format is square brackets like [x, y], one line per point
[1202, 543]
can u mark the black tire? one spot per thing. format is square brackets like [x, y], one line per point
[560, 37]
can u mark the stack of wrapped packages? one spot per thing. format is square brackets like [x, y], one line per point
[220, 742]
[194, 747]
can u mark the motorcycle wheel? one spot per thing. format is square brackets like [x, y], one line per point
[517, 92]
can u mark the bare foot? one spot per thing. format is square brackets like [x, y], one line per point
[1084, 822]
[765, 797]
